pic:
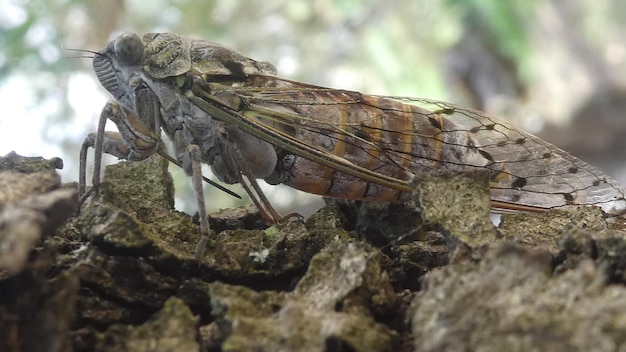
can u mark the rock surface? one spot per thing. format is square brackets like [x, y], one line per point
[121, 276]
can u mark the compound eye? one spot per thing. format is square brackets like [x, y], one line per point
[128, 48]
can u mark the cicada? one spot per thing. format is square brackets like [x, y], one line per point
[235, 114]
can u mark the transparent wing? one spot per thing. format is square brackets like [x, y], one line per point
[398, 137]
[540, 174]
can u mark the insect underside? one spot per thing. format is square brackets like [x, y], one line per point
[226, 110]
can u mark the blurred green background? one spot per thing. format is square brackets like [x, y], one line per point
[553, 67]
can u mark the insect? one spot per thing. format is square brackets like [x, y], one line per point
[224, 109]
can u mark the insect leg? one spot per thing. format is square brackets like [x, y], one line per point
[269, 214]
[94, 140]
[238, 164]
[190, 160]
[135, 141]
[196, 181]
[113, 144]
[171, 159]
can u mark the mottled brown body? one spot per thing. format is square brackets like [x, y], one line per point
[404, 137]
[224, 109]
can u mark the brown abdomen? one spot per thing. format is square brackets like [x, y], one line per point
[381, 135]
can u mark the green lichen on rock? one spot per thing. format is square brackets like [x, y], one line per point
[510, 301]
[342, 280]
[173, 328]
[13, 161]
[457, 203]
[544, 229]
[144, 188]
[133, 210]
[334, 304]
[129, 243]
[606, 248]
[138, 217]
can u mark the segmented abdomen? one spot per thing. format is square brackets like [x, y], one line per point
[375, 133]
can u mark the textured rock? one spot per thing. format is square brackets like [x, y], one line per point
[173, 328]
[31, 206]
[458, 204]
[36, 310]
[334, 305]
[122, 274]
[511, 302]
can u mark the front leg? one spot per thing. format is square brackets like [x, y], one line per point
[135, 141]
[112, 144]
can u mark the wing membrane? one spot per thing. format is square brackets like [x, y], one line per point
[387, 140]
